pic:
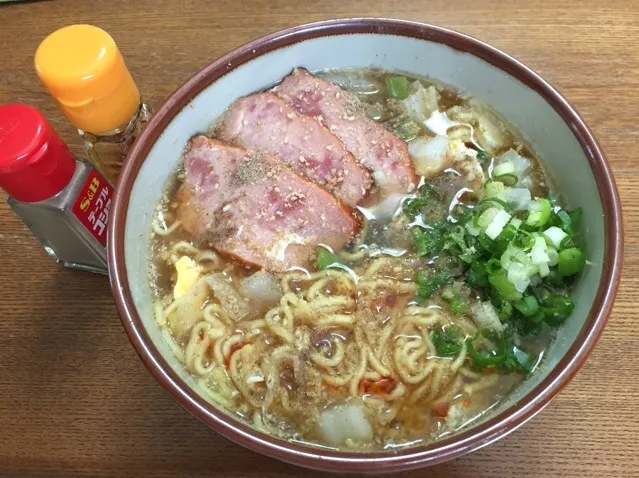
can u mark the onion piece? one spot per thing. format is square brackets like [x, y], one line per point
[421, 102]
[556, 235]
[506, 167]
[487, 217]
[519, 275]
[521, 164]
[497, 224]
[544, 270]
[539, 256]
[488, 129]
[262, 286]
[472, 230]
[517, 198]
[553, 256]
[429, 154]
[515, 222]
[234, 303]
[346, 422]
[513, 255]
[485, 316]
[538, 253]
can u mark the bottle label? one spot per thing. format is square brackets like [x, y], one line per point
[92, 205]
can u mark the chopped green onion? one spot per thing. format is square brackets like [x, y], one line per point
[504, 308]
[485, 242]
[428, 285]
[507, 167]
[493, 266]
[326, 259]
[454, 296]
[565, 221]
[483, 357]
[506, 236]
[455, 239]
[556, 308]
[426, 195]
[459, 306]
[498, 224]
[487, 203]
[494, 188]
[429, 241]
[518, 360]
[503, 286]
[477, 277]
[575, 216]
[537, 318]
[406, 130]
[571, 261]
[523, 240]
[528, 306]
[487, 217]
[482, 156]
[540, 210]
[498, 351]
[448, 341]
[555, 278]
[398, 87]
[516, 222]
[555, 235]
[507, 179]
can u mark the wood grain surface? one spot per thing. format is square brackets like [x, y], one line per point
[75, 400]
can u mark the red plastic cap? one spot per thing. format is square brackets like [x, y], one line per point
[34, 162]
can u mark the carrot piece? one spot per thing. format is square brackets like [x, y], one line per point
[441, 410]
[381, 387]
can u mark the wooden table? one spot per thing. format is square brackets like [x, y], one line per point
[74, 398]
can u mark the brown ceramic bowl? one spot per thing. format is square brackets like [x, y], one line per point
[552, 126]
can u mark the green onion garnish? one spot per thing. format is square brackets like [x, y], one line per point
[528, 306]
[326, 259]
[571, 261]
[448, 341]
[507, 179]
[503, 286]
[540, 211]
[398, 87]
[428, 285]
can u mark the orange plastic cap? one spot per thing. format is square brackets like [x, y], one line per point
[82, 68]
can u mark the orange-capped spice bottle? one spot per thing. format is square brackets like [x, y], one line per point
[64, 201]
[82, 68]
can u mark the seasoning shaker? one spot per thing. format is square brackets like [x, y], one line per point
[64, 201]
[83, 69]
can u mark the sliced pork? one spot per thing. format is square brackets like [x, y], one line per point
[264, 122]
[249, 206]
[343, 114]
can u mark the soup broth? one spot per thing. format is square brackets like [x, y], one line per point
[444, 300]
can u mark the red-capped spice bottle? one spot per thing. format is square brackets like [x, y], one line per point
[64, 201]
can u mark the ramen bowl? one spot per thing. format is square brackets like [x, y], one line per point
[546, 120]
